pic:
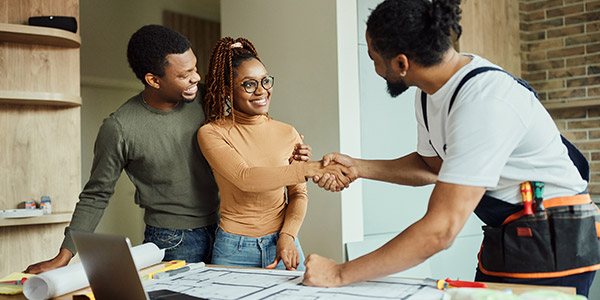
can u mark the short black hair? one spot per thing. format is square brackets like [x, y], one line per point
[148, 49]
[419, 29]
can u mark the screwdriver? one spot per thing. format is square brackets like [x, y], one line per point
[538, 195]
[527, 201]
[448, 283]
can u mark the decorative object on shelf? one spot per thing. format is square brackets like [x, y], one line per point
[46, 205]
[60, 22]
[30, 204]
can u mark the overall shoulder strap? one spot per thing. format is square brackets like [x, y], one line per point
[469, 75]
[424, 108]
[575, 155]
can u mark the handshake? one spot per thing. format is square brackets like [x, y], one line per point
[336, 172]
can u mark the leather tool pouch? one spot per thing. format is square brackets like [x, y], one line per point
[558, 241]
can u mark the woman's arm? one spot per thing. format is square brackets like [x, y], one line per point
[294, 216]
[225, 160]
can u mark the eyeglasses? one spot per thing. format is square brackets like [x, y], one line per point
[251, 85]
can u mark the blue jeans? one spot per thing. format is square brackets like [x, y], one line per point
[245, 251]
[582, 282]
[191, 245]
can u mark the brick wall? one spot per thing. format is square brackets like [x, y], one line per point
[560, 46]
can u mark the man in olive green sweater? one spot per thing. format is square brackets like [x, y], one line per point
[152, 137]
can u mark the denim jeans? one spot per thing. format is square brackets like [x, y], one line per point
[191, 245]
[245, 251]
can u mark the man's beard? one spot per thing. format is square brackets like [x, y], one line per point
[396, 88]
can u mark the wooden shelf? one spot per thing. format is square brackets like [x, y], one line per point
[27, 34]
[44, 219]
[39, 98]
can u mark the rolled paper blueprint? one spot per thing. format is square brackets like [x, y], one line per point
[72, 277]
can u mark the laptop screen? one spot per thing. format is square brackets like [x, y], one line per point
[109, 266]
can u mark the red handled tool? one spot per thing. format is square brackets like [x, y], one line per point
[467, 284]
[527, 198]
[449, 283]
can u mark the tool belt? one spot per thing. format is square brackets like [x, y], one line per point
[561, 240]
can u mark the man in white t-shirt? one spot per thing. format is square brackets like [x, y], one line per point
[479, 147]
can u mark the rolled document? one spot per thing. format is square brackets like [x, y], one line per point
[72, 277]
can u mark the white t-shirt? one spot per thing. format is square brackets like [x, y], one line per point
[497, 135]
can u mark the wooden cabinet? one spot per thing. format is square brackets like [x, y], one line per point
[39, 128]
[491, 30]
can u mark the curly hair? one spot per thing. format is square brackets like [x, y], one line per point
[148, 49]
[226, 56]
[419, 29]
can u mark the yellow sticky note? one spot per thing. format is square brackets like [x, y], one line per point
[13, 289]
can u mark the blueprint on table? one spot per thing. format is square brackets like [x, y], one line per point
[261, 284]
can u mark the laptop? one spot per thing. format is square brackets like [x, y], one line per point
[110, 269]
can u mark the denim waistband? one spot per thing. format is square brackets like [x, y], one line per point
[243, 239]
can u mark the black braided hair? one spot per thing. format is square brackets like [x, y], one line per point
[227, 55]
[419, 29]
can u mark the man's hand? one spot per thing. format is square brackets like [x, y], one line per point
[321, 271]
[286, 251]
[61, 260]
[329, 182]
[302, 152]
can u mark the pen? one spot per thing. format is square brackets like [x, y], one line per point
[14, 282]
[170, 273]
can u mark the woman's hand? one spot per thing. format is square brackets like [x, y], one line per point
[286, 251]
[302, 152]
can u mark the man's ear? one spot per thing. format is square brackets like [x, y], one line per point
[400, 64]
[152, 80]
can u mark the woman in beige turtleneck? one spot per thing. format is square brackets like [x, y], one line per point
[263, 190]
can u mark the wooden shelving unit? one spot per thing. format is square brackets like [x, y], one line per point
[41, 141]
[39, 98]
[44, 219]
[37, 35]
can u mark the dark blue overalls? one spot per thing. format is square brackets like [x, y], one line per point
[560, 246]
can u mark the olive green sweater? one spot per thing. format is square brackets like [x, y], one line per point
[159, 152]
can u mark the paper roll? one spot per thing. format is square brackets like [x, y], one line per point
[72, 277]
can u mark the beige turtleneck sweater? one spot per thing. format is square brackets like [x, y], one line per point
[252, 162]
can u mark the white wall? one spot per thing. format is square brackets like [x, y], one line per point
[107, 82]
[310, 48]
